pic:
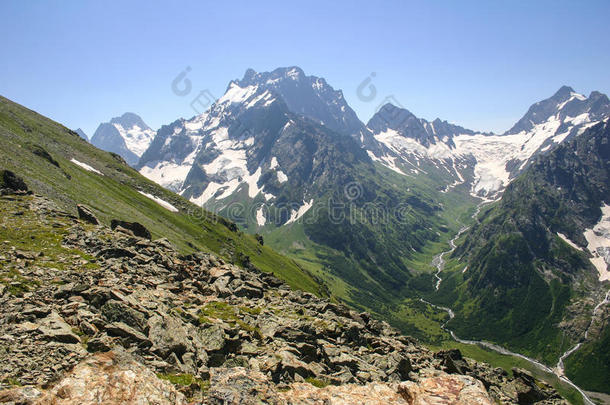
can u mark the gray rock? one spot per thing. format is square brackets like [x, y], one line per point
[85, 214]
[54, 328]
[168, 335]
[136, 228]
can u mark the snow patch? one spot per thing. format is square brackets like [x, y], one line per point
[598, 239]
[296, 214]
[568, 241]
[159, 201]
[260, 217]
[136, 139]
[168, 174]
[281, 177]
[236, 94]
[86, 166]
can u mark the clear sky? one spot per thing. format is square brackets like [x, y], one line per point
[477, 63]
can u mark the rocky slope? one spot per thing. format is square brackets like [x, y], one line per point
[55, 162]
[88, 312]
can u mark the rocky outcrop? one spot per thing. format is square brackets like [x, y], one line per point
[216, 331]
[111, 378]
[11, 183]
[85, 214]
[135, 228]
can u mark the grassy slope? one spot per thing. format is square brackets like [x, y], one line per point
[114, 195]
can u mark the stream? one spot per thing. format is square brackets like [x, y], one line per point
[439, 262]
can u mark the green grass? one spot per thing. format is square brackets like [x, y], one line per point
[186, 380]
[317, 382]
[22, 230]
[228, 313]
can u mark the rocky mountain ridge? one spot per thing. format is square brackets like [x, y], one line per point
[485, 163]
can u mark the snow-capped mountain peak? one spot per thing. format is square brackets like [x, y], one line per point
[491, 161]
[127, 135]
[310, 96]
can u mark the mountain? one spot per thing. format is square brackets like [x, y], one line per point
[533, 274]
[309, 96]
[127, 136]
[82, 134]
[56, 163]
[171, 156]
[486, 163]
[275, 171]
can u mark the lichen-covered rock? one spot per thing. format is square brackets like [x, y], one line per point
[445, 390]
[111, 378]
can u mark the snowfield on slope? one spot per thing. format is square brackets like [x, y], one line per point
[86, 166]
[598, 239]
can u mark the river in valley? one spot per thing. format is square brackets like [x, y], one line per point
[439, 263]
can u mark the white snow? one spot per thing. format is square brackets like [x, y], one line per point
[296, 214]
[252, 181]
[136, 139]
[260, 217]
[293, 74]
[85, 166]
[266, 96]
[598, 239]
[168, 174]
[281, 176]
[491, 152]
[159, 201]
[273, 164]
[236, 94]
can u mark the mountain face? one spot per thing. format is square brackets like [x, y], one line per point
[266, 167]
[538, 263]
[486, 163]
[82, 134]
[309, 96]
[126, 135]
[171, 156]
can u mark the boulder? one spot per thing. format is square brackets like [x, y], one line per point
[528, 392]
[86, 215]
[136, 228]
[369, 394]
[168, 335]
[452, 361]
[11, 182]
[112, 378]
[128, 333]
[445, 389]
[54, 328]
[240, 386]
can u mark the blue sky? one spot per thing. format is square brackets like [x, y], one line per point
[477, 63]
